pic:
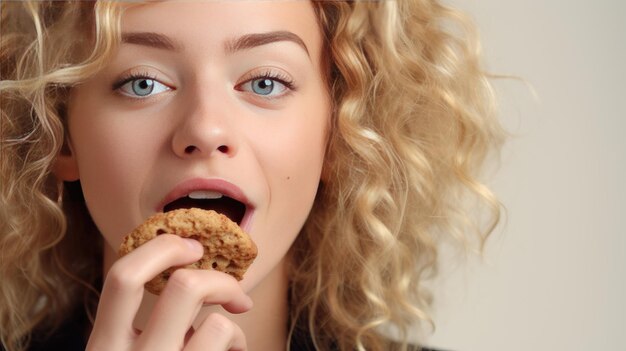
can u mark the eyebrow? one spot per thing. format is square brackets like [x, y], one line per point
[249, 41]
[246, 41]
[153, 40]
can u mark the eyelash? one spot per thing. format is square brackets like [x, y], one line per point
[132, 76]
[268, 74]
[277, 76]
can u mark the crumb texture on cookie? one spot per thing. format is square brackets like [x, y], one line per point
[227, 248]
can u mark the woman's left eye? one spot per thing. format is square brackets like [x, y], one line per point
[142, 87]
[266, 87]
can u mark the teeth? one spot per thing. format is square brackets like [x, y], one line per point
[205, 194]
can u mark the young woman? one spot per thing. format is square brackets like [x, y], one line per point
[344, 137]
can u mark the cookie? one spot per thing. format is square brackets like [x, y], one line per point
[227, 248]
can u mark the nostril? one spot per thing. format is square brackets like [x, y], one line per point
[192, 148]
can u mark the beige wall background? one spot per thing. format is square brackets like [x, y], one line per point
[554, 274]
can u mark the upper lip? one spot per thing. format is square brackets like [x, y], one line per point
[219, 185]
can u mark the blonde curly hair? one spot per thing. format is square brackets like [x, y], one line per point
[413, 122]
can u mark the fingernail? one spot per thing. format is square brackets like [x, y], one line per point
[194, 244]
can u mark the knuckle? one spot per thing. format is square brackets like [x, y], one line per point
[121, 278]
[217, 324]
[185, 279]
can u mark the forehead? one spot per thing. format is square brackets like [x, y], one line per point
[211, 25]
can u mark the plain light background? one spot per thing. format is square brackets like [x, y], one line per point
[554, 274]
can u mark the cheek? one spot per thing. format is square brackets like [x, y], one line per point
[297, 143]
[292, 160]
[112, 160]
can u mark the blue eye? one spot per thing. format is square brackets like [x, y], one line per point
[268, 85]
[265, 86]
[262, 86]
[141, 87]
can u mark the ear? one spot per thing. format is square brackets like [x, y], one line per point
[65, 165]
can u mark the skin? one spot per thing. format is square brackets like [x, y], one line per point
[202, 120]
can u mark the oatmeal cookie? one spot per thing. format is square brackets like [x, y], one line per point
[227, 248]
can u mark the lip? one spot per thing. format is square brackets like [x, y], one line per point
[219, 185]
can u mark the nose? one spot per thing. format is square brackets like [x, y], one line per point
[204, 130]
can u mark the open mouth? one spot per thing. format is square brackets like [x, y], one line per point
[210, 200]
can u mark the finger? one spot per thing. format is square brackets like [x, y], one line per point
[217, 333]
[123, 288]
[186, 291]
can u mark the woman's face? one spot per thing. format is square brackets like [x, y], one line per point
[206, 99]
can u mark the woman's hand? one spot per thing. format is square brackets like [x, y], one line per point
[186, 291]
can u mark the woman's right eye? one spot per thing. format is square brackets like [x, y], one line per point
[141, 87]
